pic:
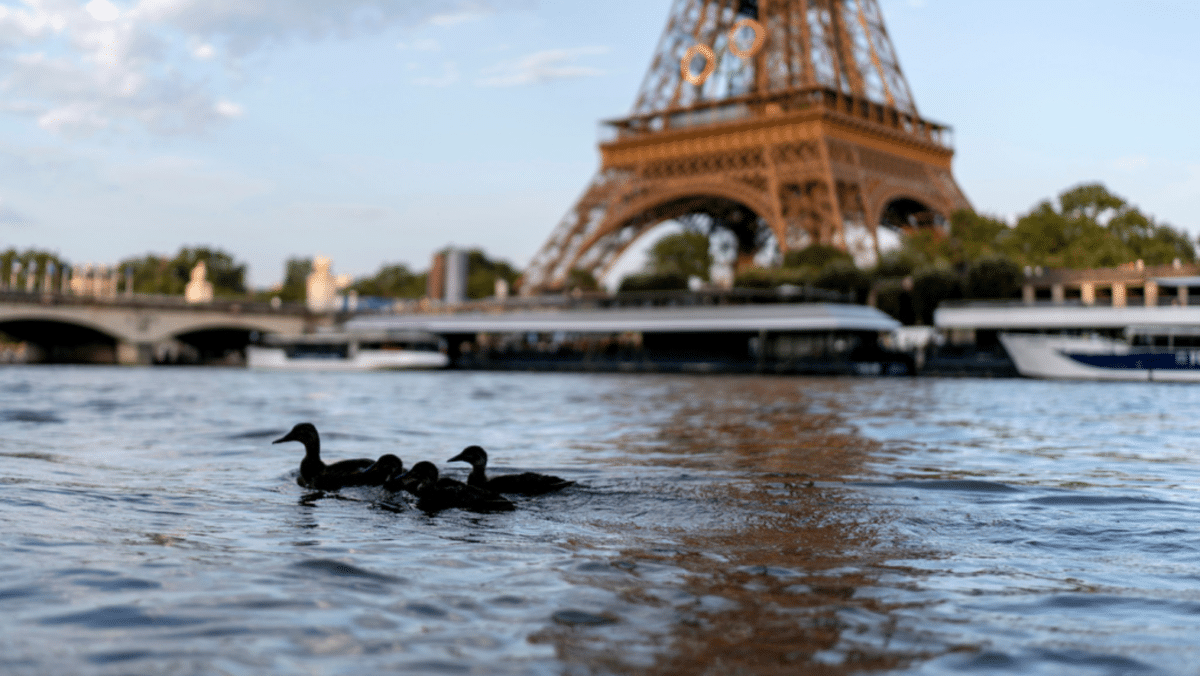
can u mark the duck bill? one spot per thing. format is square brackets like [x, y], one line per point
[286, 437]
[458, 458]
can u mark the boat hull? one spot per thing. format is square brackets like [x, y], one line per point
[1097, 358]
[273, 358]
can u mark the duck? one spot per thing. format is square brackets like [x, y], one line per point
[526, 483]
[313, 472]
[435, 494]
[378, 474]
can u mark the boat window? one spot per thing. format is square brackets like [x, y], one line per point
[318, 351]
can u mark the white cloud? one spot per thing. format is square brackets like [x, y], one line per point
[102, 10]
[455, 18]
[76, 119]
[541, 67]
[228, 109]
[204, 52]
[77, 68]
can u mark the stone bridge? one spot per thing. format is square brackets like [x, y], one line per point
[141, 329]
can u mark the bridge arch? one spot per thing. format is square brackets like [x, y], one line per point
[58, 341]
[214, 343]
[131, 332]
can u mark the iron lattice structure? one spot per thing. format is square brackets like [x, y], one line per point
[810, 136]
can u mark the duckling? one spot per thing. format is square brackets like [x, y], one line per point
[526, 483]
[378, 474]
[313, 472]
[435, 494]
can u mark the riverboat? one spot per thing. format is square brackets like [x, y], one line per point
[357, 351]
[1082, 342]
[810, 338]
[1146, 353]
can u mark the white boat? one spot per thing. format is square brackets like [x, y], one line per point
[358, 351]
[1082, 342]
[1146, 353]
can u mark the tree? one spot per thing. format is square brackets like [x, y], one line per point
[157, 274]
[295, 280]
[483, 273]
[842, 275]
[228, 277]
[653, 281]
[992, 277]
[685, 254]
[35, 260]
[393, 281]
[931, 286]
[582, 280]
[898, 263]
[1092, 228]
[815, 256]
[1086, 227]
[974, 235]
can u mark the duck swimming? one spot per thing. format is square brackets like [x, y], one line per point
[526, 483]
[435, 494]
[378, 474]
[313, 472]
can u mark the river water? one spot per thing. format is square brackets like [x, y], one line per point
[720, 525]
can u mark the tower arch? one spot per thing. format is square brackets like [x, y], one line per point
[814, 130]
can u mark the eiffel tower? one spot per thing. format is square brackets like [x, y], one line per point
[782, 122]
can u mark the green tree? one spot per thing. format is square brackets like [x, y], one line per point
[228, 277]
[393, 281]
[974, 235]
[653, 281]
[295, 280]
[842, 275]
[482, 273]
[1086, 227]
[686, 254]
[158, 274]
[931, 286]
[1092, 228]
[581, 279]
[898, 263]
[35, 260]
[992, 277]
[815, 256]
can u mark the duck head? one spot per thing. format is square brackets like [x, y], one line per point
[476, 456]
[421, 475]
[388, 464]
[305, 433]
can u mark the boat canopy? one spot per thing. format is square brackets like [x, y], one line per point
[1055, 317]
[1177, 281]
[715, 319]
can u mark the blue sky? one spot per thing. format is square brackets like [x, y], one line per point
[377, 132]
